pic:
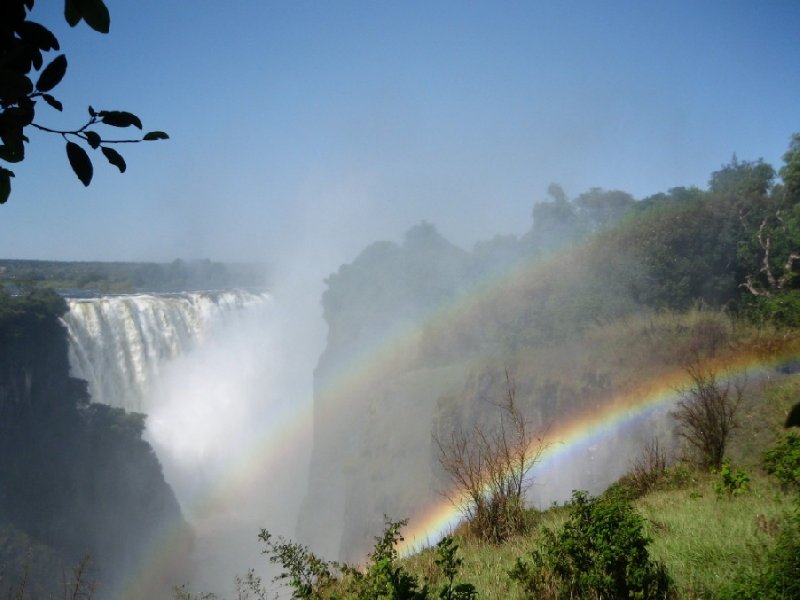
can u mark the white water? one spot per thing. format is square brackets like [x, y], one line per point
[121, 344]
[210, 371]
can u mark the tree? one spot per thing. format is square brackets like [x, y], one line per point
[769, 255]
[600, 552]
[23, 44]
[489, 466]
[706, 414]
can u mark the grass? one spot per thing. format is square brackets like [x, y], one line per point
[705, 539]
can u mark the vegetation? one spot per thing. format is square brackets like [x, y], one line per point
[706, 415]
[23, 46]
[107, 277]
[600, 552]
[488, 468]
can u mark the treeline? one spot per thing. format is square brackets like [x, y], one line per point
[76, 478]
[599, 295]
[123, 277]
[594, 258]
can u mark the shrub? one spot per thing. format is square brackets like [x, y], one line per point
[489, 466]
[312, 578]
[783, 461]
[305, 573]
[600, 552]
[706, 414]
[731, 482]
[647, 470]
[779, 578]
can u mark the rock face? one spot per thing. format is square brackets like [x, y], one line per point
[373, 402]
[75, 477]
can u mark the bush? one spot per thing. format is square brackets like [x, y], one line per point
[731, 482]
[312, 578]
[779, 578]
[783, 461]
[706, 414]
[488, 467]
[601, 552]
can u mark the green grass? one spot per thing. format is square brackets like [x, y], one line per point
[705, 539]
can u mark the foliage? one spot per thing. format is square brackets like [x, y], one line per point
[783, 460]
[779, 577]
[780, 309]
[732, 482]
[22, 46]
[450, 564]
[600, 552]
[706, 414]
[488, 467]
[305, 573]
[383, 578]
[648, 468]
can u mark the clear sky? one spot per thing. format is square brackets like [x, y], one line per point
[309, 129]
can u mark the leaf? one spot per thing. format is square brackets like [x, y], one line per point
[36, 60]
[13, 85]
[52, 102]
[52, 74]
[114, 157]
[119, 118]
[12, 153]
[71, 12]
[80, 162]
[38, 34]
[5, 184]
[93, 138]
[155, 135]
[92, 111]
[95, 13]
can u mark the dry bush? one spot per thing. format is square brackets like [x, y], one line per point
[706, 414]
[648, 467]
[488, 467]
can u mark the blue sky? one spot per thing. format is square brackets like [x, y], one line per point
[301, 131]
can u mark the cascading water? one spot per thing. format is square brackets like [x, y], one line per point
[211, 371]
[121, 344]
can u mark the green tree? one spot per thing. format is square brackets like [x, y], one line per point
[25, 80]
[600, 552]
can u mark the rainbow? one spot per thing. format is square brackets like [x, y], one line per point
[278, 441]
[593, 426]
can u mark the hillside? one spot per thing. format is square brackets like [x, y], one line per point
[599, 309]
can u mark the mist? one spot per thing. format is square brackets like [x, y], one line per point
[438, 196]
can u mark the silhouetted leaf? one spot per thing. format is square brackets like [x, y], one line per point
[38, 35]
[92, 111]
[19, 116]
[119, 118]
[52, 102]
[52, 74]
[95, 13]
[14, 85]
[5, 184]
[71, 12]
[36, 60]
[93, 138]
[155, 135]
[114, 157]
[80, 162]
[13, 153]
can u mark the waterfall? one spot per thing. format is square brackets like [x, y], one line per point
[121, 344]
[218, 375]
